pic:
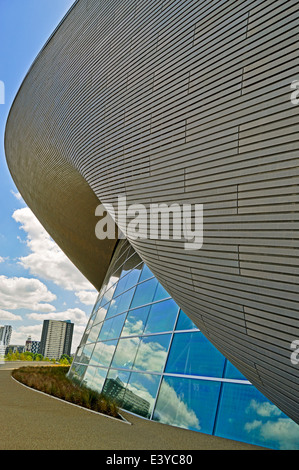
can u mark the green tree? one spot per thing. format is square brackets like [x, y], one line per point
[28, 356]
[37, 357]
[16, 355]
[8, 356]
[66, 359]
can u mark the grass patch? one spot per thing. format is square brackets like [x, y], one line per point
[53, 381]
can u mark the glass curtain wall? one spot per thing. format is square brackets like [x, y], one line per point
[144, 352]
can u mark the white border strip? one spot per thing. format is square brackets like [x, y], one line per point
[211, 379]
[122, 420]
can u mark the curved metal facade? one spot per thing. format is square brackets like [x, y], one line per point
[178, 101]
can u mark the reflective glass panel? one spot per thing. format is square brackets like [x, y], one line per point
[246, 415]
[144, 293]
[89, 324]
[125, 353]
[184, 322]
[188, 403]
[127, 282]
[141, 394]
[146, 273]
[162, 317]
[115, 385]
[130, 251]
[160, 293]
[121, 303]
[94, 333]
[103, 353]
[108, 295]
[88, 377]
[99, 378]
[114, 277]
[84, 338]
[231, 372]
[193, 354]
[152, 353]
[78, 354]
[101, 314]
[76, 372]
[112, 328]
[131, 263]
[86, 353]
[95, 308]
[135, 322]
[118, 263]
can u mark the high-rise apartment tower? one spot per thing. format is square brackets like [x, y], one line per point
[56, 338]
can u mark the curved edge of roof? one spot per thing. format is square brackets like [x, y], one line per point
[63, 203]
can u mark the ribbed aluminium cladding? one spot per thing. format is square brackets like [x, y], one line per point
[178, 101]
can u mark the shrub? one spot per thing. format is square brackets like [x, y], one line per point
[53, 381]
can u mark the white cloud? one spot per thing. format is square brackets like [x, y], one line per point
[17, 195]
[265, 409]
[253, 425]
[76, 315]
[151, 355]
[46, 260]
[20, 292]
[46, 308]
[20, 335]
[173, 410]
[133, 328]
[1, 259]
[8, 316]
[284, 431]
[87, 297]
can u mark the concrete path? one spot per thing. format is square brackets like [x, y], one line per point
[30, 420]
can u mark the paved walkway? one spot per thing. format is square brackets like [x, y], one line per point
[33, 421]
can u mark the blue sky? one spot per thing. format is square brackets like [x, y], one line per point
[37, 281]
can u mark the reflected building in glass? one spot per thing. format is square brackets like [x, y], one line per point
[140, 349]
